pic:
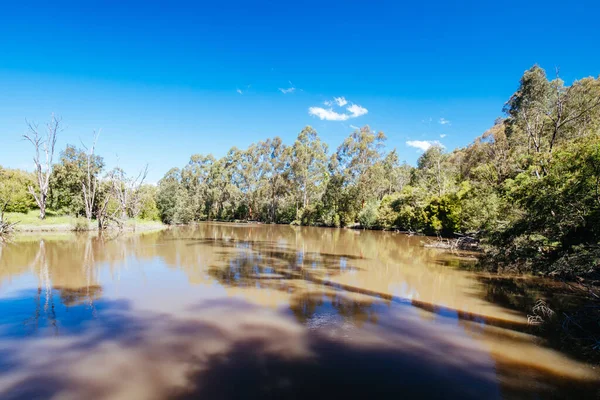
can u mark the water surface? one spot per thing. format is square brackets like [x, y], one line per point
[225, 311]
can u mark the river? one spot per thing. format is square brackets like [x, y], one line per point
[226, 311]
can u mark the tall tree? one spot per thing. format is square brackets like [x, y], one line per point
[362, 149]
[252, 170]
[165, 199]
[308, 165]
[43, 166]
[359, 161]
[89, 183]
[433, 173]
[278, 175]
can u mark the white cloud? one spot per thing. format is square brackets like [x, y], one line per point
[443, 135]
[444, 121]
[328, 114]
[357, 110]
[288, 90]
[423, 145]
[240, 91]
[354, 126]
[353, 110]
[291, 89]
[341, 101]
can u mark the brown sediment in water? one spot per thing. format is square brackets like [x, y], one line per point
[226, 310]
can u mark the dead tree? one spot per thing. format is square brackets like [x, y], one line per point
[43, 167]
[126, 191]
[102, 213]
[89, 182]
[135, 202]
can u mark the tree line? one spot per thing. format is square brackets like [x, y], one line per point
[77, 184]
[529, 187]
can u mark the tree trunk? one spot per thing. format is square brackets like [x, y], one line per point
[43, 207]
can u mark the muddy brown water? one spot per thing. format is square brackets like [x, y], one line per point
[224, 311]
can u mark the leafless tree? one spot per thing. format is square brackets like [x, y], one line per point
[126, 191]
[43, 166]
[102, 213]
[135, 201]
[89, 182]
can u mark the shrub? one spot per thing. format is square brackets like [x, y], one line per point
[368, 215]
[387, 212]
[80, 224]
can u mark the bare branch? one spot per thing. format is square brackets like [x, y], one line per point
[43, 169]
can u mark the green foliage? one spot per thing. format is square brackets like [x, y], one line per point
[387, 213]
[80, 224]
[149, 210]
[66, 193]
[165, 197]
[442, 215]
[410, 207]
[561, 211]
[13, 190]
[367, 217]
[481, 208]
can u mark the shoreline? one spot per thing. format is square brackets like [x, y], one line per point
[138, 227]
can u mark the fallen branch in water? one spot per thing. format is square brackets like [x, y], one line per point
[575, 324]
[541, 313]
[461, 243]
[6, 227]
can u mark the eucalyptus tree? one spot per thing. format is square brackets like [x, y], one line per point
[252, 170]
[542, 113]
[434, 173]
[224, 190]
[278, 174]
[195, 178]
[359, 151]
[308, 166]
[359, 162]
[165, 196]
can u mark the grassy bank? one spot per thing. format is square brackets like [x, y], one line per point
[30, 222]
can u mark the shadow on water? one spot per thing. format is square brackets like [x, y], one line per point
[573, 324]
[270, 267]
[117, 352]
[328, 339]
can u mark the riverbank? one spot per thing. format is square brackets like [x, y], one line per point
[30, 222]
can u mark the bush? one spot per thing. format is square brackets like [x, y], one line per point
[368, 215]
[13, 190]
[80, 224]
[387, 212]
[286, 214]
[443, 215]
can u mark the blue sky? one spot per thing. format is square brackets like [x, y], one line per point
[166, 81]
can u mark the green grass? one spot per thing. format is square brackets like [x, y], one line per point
[31, 221]
[32, 218]
[138, 221]
[144, 224]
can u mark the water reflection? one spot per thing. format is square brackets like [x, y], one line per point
[217, 310]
